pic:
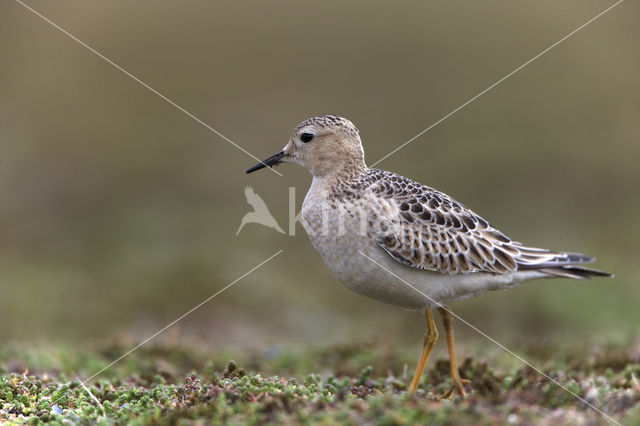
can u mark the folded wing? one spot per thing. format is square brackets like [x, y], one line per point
[427, 229]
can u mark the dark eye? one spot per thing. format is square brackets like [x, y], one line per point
[306, 137]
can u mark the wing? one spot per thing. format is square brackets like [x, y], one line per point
[427, 229]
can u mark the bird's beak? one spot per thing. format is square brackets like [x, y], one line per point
[274, 160]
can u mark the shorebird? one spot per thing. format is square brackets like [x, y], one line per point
[395, 240]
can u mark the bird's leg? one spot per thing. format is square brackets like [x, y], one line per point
[430, 338]
[458, 383]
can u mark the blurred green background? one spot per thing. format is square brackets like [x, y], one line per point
[118, 212]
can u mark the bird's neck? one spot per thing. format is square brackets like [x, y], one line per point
[341, 180]
[350, 170]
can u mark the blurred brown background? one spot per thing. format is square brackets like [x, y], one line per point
[118, 212]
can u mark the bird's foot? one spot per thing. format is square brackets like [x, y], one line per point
[460, 387]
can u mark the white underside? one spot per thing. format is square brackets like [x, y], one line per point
[368, 270]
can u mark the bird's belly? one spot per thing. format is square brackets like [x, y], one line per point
[364, 269]
[357, 262]
[370, 271]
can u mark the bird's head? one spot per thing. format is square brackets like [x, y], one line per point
[324, 145]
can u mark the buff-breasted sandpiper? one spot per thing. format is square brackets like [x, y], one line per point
[395, 240]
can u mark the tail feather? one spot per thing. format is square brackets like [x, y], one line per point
[531, 258]
[558, 264]
[570, 271]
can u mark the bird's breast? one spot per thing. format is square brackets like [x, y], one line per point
[335, 228]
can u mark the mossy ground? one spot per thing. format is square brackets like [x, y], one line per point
[352, 384]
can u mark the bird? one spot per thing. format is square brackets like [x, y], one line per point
[390, 238]
[260, 213]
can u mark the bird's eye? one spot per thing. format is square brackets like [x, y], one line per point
[306, 137]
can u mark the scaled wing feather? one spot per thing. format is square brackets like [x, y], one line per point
[429, 230]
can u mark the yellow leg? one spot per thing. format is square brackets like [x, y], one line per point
[430, 338]
[458, 383]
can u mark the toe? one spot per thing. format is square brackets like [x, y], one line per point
[459, 388]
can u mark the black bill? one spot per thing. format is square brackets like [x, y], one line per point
[274, 160]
